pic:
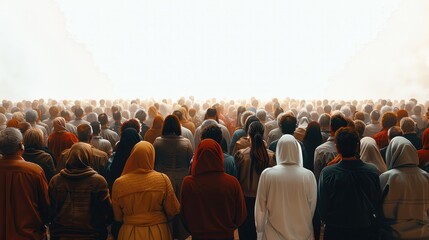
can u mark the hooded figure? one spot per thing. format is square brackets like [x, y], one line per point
[60, 139]
[212, 201]
[143, 200]
[287, 195]
[80, 199]
[155, 131]
[406, 203]
[424, 152]
[129, 138]
[369, 153]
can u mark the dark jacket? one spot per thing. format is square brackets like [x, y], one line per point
[349, 195]
[41, 158]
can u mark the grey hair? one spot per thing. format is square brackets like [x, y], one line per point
[10, 141]
[31, 116]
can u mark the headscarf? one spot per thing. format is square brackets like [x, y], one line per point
[155, 131]
[59, 124]
[288, 151]
[425, 139]
[79, 156]
[401, 153]
[152, 112]
[142, 158]
[369, 153]
[129, 138]
[208, 158]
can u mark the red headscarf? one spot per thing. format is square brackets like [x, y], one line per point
[208, 158]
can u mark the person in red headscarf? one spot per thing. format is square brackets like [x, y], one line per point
[212, 201]
[60, 139]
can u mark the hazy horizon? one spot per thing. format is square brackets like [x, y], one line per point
[225, 49]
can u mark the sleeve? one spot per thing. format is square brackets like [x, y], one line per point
[117, 211]
[322, 200]
[238, 159]
[241, 211]
[105, 204]
[44, 201]
[261, 202]
[50, 169]
[171, 204]
[189, 153]
[317, 163]
[184, 196]
[312, 192]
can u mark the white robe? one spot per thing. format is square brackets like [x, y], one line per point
[287, 195]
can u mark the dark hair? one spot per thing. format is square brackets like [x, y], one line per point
[258, 153]
[117, 116]
[211, 113]
[249, 121]
[313, 135]
[140, 115]
[388, 120]
[178, 114]
[78, 112]
[337, 121]
[171, 126]
[84, 132]
[347, 141]
[212, 131]
[96, 127]
[288, 124]
[278, 111]
[103, 119]
[131, 123]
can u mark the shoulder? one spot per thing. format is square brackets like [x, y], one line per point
[98, 153]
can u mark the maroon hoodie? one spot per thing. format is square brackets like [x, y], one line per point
[424, 152]
[212, 202]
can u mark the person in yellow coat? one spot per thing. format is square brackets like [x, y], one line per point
[143, 200]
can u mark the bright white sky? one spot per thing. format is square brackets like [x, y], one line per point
[166, 49]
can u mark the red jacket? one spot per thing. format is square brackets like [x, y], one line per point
[212, 202]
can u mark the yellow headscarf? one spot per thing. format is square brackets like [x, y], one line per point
[142, 157]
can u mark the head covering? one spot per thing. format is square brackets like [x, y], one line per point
[425, 139]
[288, 151]
[369, 153]
[303, 122]
[208, 158]
[155, 131]
[59, 124]
[129, 138]
[142, 158]
[79, 156]
[401, 153]
[152, 112]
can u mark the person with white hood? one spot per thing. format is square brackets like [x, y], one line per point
[287, 195]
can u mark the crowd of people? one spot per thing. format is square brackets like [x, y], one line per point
[277, 169]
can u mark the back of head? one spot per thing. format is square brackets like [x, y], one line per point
[91, 117]
[117, 116]
[288, 124]
[249, 121]
[54, 112]
[96, 127]
[407, 125]
[417, 110]
[178, 114]
[10, 141]
[325, 121]
[388, 120]
[375, 115]
[31, 116]
[211, 113]
[130, 123]
[347, 142]
[141, 115]
[245, 116]
[401, 152]
[360, 127]
[212, 131]
[394, 132]
[171, 126]
[33, 138]
[103, 119]
[258, 152]
[84, 132]
[261, 115]
[337, 122]
[78, 112]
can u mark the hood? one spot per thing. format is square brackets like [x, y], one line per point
[157, 122]
[369, 153]
[59, 124]
[425, 139]
[142, 157]
[400, 152]
[208, 158]
[78, 161]
[288, 151]
[152, 112]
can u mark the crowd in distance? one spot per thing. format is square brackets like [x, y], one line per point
[277, 169]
